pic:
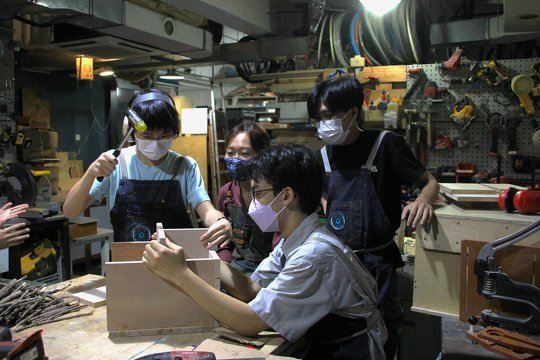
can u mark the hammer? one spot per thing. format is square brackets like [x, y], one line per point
[138, 125]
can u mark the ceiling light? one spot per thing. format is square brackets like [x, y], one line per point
[379, 7]
[171, 75]
[106, 72]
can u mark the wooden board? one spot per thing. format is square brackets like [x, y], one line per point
[480, 197]
[519, 262]
[194, 146]
[461, 188]
[139, 302]
[189, 239]
[452, 224]
[93, 297]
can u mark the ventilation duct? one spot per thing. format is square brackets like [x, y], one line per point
[106, 29]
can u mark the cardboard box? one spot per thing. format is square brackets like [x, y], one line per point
[82, 226]
[36, 111]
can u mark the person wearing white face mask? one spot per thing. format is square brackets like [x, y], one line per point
[151, 183]
[311, 289]
[364, 171]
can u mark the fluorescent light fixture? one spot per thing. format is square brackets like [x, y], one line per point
[379, 7]
[171, 75]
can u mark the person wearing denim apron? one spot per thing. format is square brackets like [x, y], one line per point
[140, 204]
[364, 171]
[249, 245]
[153, 183]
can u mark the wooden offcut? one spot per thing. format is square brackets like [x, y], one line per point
[139, 302]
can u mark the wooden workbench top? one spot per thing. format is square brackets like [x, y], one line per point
[86, 337]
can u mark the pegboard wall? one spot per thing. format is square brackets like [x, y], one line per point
[476, 138]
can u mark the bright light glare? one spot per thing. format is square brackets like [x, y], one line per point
[106, 73]
[379, 7]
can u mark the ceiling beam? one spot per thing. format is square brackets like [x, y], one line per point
[248, 16]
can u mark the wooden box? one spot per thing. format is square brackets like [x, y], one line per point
[141, 303]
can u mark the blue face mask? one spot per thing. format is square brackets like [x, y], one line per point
[236, 168]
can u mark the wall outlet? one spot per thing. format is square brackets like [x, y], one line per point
[77, 137]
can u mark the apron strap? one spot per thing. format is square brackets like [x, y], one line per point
[176, 166]
[123, 165]
[326, 162]
[354, 283]
[374, 151]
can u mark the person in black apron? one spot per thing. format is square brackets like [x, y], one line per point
[364, 171]
[311, 289]
[152, 183]
[249, 244]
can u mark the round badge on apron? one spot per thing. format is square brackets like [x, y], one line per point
[337, 220]
[140, 233]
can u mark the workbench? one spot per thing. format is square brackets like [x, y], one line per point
[437, 251]
[86, 337]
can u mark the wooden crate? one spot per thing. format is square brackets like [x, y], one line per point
[141, 303]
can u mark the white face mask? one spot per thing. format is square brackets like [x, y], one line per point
[331, 131]
[264, 216]
[154, 149]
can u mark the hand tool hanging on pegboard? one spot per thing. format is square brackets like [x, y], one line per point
[463, 112]
[494, 121]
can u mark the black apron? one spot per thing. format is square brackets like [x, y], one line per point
[251, 245]
[140, 204]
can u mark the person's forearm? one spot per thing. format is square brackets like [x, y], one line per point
[209, 215]
[227, 310]
[430, 191]
[77, 198]
[237, 284]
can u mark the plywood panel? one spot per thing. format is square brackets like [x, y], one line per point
[138, 300]
[189, 239]
[460, 188]
[519, 262]
[447, 232]
[436, 282]
[195, 147]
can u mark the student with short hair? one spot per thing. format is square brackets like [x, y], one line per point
[149, 182]
[311, 288]
[365, 169]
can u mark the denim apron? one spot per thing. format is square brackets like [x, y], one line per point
[140, 204]
[251, 245]
[354, 212]
[356, 216]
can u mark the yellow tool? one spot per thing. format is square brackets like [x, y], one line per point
[522, 85]
[463, 112]
[38, 173]
[40, 261]
[490, 73]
